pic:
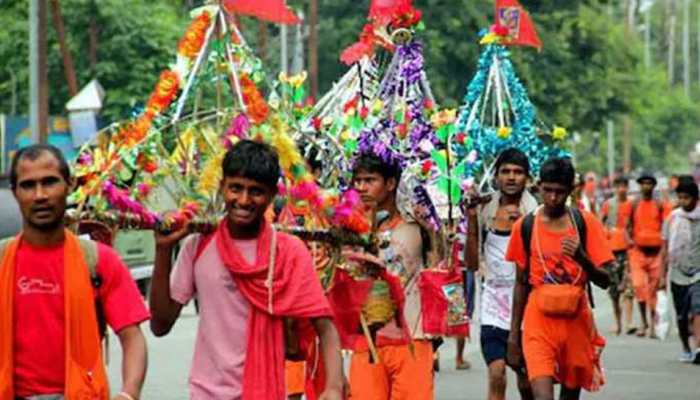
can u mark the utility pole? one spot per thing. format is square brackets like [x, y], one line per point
[627, 144]
[671, 19]
[626, 120]
[93, 34]
[68, 68]
[611, 149]
[686, 47]
[299, 36]
[284, 52]
[647, 38]
[313, 47]
[632, 13]
[13, 86]
[38, 82]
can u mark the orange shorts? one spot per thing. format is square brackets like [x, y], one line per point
[400, 374]
[646, 272]
[560, 348]
[295, 377]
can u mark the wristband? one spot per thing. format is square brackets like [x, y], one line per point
[125, 395]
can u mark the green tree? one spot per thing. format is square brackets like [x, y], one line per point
[591, 69]
[137, 40]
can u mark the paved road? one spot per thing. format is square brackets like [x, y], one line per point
[637, 369]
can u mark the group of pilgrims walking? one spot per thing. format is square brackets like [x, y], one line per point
[302, 292]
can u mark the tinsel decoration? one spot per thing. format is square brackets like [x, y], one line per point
[498, 115]
[401, 128]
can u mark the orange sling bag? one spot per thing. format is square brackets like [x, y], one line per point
[558, 300]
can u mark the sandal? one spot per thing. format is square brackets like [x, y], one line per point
[463, 365]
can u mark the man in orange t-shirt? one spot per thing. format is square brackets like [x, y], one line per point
[560, 345]
[648, 215]
[616, 214]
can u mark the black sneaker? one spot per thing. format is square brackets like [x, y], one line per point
[696, 358]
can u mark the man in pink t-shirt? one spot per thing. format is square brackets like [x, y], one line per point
[41, 288]
[247, 278]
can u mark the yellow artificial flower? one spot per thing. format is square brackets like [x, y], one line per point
[184, 148]
[283, 78]
[559, 133]
[345, 135]
[490, 38]
[444, 117]
[377, 106]
[286, 147]
[298, 79]
[210, 176]
[504, 132]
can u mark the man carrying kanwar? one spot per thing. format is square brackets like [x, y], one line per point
[404, 370]
[558, 250]
[488, 234]
[248, 278]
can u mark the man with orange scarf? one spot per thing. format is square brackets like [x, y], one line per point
[248, 278]
[50, 345]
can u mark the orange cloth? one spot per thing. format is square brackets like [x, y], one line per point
[85, 373]
[648, 221]
[294, 373]
[616, 235]
[558, 269]
[646, 273]
[562, 348]
[400, 374]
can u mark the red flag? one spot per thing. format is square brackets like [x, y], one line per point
[383, 10]
[268, 10]
[521, 29]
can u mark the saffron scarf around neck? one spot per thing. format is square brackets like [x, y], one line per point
[288, 287]
[85, 373]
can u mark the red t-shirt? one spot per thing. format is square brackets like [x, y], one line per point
[39, 336]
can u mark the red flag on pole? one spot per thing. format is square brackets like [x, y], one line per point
[383, 10]
[268, 10]
[521, 30]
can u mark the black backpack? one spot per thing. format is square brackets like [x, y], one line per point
[526, 234]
